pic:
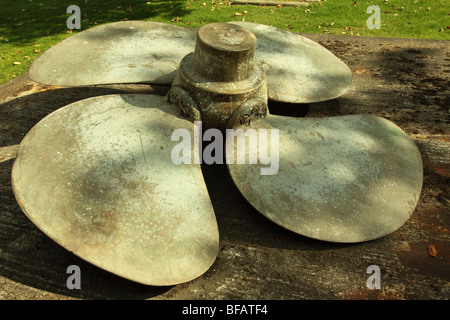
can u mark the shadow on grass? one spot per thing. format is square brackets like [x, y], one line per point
[23, 21]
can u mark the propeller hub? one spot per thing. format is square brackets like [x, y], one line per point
[220, 75]
[224, 52]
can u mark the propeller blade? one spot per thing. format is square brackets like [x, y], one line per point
[340, 179]
[298, 70]
[98, 178]
[118, 52]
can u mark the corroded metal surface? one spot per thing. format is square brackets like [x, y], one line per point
[402, 80]
[118, 52]
[341, 179]
[97, 177]
[298, 70]
[221, 74]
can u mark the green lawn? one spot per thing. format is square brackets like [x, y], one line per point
[29, 27]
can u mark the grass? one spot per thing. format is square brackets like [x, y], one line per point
[29, 27]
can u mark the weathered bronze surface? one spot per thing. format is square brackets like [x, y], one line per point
[97, 177]
[402, 80]
[118, 52]
[342, 179]
[298, 70]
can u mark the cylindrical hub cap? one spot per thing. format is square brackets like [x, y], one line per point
[224, 52]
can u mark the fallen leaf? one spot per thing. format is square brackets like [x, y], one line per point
[16, 63]
[367, 73]
[432, 250]
[37, 51]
